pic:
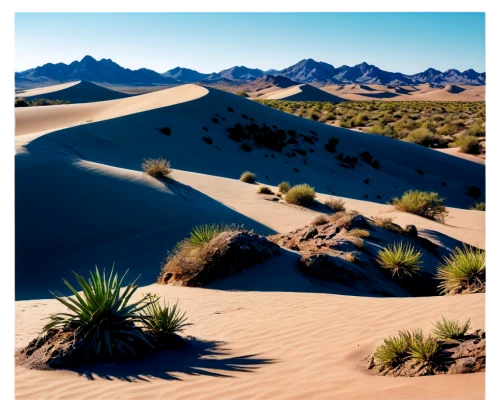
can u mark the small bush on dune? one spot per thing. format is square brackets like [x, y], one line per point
[302, 195]
[242, 94]
[207, 139]
[468, 144]
[479, 206]
[205, 233]
[421, 136]
[401, 260]
[380, 129]
[264, 190]
[463, 271]
[247, 177]
[157, 168]
[319, 220]
[424, 350]
[386, 223]
[450, 329]
[284, 187]
[361, 233]
[164, 320]
[335, 205]
[425, 204]
[394, 350]
[476, 129]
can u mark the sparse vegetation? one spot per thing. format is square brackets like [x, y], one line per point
[247, 177]
[205, 233]
[157, 168]
[335, 205]
[401, 260]
[450, 329]
[20, 102]
[394, 350]
[264, 190]
[320, 220]
[424, 350]
[468, 144]
[463, 271]
[163, 320]
[386, 223]
[361, 233]
[302, 195]
[284, 187]
[479, 206]
[425, 204]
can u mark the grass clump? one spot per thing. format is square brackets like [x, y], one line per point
[157, 167]
[468, 144]
[335, 205]
[301, 195]
[394, 350]
[401, 260]
[320, 220]
[264, 190]
[463, 271]
[361, 233]
[386, 223]
[424, 350]
[450, 329]
[284, 187]
[421, 136]
[425, 204]
[479, 206]
[202, 234]
[163, 320]
[247, 177]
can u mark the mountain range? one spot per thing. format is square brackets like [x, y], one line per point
[305, 71]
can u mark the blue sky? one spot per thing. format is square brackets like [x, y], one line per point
[397, 42]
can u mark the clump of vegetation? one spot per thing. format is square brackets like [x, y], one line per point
[157, 167]
[302, 195]
[476, 129]
[474, 192]
[163, 320]
[242, 94]
[202, 234]
[264, 190]
[386, 223]
[207, 139]
[401, 260]
[395, 349]
[468, 144]
[450, 329]
[479, 206]
[379, 129]
[166, 131]
[463, 271]
[424, 350]
[247, 177]
[246, 147]
[361, 233]
[320, 220]
[284, 187]
[335, 205]
[20, 102]
[421, 136]
[425, 204]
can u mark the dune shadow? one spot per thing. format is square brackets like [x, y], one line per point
[385, 95]
[197, 358]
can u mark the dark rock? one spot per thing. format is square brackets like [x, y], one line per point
[411, 230]
[360, 222]
[308, 234]
[328, 267]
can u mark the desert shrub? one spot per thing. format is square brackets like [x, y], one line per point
[394, 350]
[331, 146]
[425, 204]
[401, 260]
[468, 144]
[380, 129]
[359, 120]
[342, 219]
[102, 315]
[362, 233]
[463, 271]
[214, 120]
[163, 320]
[335, 205]
[479, 206]
[421, 136]
[450, 329]
[242, 94]
[166, 130]
[424, 350]
[157, 167]
[207, 139]
[201, 234]
[284, 187]
[237, 132]
[302, 195]
[264, 190]
[21, 103]
[355, 240]
[476, 129]
[319, 220]
[247, 177]
[386, 223]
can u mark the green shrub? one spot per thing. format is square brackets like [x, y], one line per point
[463, 271]
[421, 136]
[476, 129]
[425, 204]
[479, 206]
[450, 329]
[394, 350]
[335, 205]
[242, 94]
[202, 234]
[157, 168]
[380, 129]
[247, 177]
[302, 195]
[424, 350]
[164, 320]
[264, 190]
[401, 260]
[468, 144]
[284, 187]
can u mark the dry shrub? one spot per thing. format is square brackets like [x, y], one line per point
[264, 190]
[342, 219]
[157, 168]
[386, 223]
[302, 195]
[361, 233]
[335, 205]
[247, 177]
[320, 220]
[426, 204]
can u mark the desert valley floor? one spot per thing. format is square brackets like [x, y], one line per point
[266, 333]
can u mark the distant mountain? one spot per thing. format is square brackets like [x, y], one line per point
[370, 74]
[242, 74]
[185, 75]
[309, 71]
[271, 72]
[91, 70]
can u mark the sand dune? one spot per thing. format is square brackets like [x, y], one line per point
[266, 333]
[45, 90]
[302, 92]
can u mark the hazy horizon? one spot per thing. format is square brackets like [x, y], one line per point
[210, 42]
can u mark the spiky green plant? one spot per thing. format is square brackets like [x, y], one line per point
[450, 329]
[402, 260]
[393, 351]
[424, 350]
[479, 206]
[102, 315]
[464, 270]
[163, 320]
[202, 234]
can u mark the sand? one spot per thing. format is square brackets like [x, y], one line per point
[302, 92]
[283, 336]
[46, 89]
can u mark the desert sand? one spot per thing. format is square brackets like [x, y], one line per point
[267, 333]
[302, 92]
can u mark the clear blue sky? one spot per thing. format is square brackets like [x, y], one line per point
[397, 42]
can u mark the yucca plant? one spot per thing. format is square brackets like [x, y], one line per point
[163, 320]
[450, 329]
[463, 271]
[393, 351]
[402, 260]
[102, 316]
[202, 234]
[424, 350]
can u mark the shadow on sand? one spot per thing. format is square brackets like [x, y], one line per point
[199, 357]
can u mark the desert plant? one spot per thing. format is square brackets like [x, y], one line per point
[468, 144]
[450, 329]
[284, 187]
[401, 260]
[102, 315]
[421, 136]
[335, 205]
[476, 129]
[264, 190]
[425, 204]
[394, 350]
[479, 206]
[247, 177]
[157, 168]
[386, 223]
[242, 94]
[163, 320]
[361, 233]
[464, 270]
[424, 350]
[319, 220]
[302, 195]
[201, 234]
